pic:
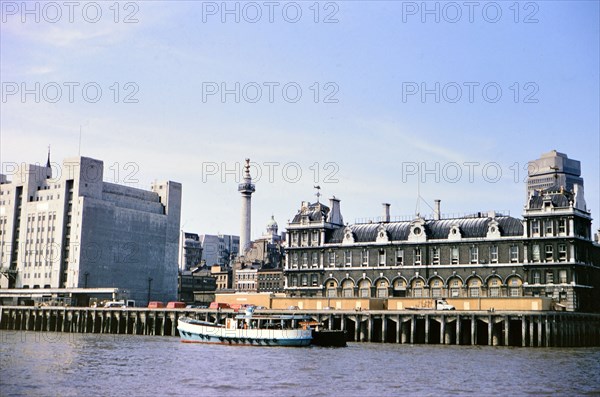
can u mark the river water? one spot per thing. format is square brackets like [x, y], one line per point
[57, 364]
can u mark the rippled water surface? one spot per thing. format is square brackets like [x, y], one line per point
[54, 364]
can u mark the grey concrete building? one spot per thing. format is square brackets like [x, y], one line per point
[550, 252]
[219, 249]
[73, 231]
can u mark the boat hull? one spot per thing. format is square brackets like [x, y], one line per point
[201, 333]
[329, 338]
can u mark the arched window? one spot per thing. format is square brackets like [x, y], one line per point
[382, 289]
[417, 288]
[474, 286]
[455, 287]
[436, 288]
[514, 286]
[364, 287]
[493, 285]
[348, 289]
[331, 289]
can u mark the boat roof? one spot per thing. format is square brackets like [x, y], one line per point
[273, 317]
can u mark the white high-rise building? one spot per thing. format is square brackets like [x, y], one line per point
[74, 231]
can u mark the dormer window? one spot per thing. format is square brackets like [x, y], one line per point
[382, 235]
[418, 232]
[348, 236]
[454, 233]
[493, 231]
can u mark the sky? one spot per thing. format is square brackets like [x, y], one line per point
[360, 98]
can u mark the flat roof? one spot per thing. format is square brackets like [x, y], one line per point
[6, 292]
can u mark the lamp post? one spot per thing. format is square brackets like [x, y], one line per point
[149, 287]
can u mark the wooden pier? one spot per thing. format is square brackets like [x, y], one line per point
[527, 329]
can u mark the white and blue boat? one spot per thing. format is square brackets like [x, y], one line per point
[248, 329]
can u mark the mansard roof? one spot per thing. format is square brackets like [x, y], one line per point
[435, 229]
[316, 212]
[556, 194]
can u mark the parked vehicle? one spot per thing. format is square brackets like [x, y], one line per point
[219, 305]
[176, 305]
[155, 305]
[441, 304]
[121, 303]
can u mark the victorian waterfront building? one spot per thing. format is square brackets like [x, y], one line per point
[548, 253]
[75, 235]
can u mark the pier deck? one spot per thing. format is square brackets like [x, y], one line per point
[527, 329]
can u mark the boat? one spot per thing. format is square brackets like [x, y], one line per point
[247, 329]
[325, 337]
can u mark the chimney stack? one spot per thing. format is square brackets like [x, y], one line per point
[335, 214]
[437, 215]
[386, 212]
